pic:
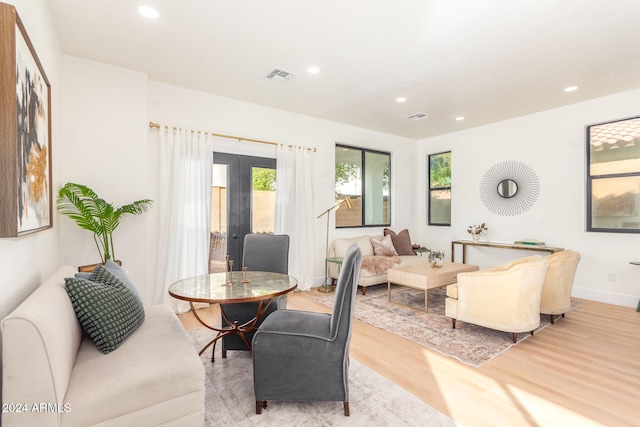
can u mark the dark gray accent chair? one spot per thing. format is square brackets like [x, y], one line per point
[304, 356]
[261, 252]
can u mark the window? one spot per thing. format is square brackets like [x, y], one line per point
[440, 189]
[613, 176]
[364, 177]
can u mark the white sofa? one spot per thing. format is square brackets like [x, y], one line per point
[367, 278]
[54, 375]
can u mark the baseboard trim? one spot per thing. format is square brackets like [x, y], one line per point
[606, 297]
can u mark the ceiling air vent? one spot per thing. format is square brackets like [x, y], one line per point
[280, 75]
[418, 116]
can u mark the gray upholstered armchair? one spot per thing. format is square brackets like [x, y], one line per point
[304, 356]
[261, 252]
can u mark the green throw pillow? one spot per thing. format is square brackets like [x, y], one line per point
[101, 275]
[114, 269]
[109, 312]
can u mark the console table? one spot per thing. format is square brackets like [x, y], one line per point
[465, 243]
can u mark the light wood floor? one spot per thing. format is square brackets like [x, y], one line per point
[582, 371]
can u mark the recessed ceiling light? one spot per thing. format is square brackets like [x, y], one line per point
[401, 99]
[570, 88]
[148, 12]
[459, 119]
[313, 70]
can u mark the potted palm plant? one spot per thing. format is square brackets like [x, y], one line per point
[92, 213]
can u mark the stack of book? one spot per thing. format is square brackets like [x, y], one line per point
[529, 242]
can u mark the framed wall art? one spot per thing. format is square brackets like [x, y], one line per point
[25, 132]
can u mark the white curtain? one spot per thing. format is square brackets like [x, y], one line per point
[294, 210]
[185, 210]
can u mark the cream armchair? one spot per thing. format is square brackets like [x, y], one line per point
[556, 293]
[505, 298]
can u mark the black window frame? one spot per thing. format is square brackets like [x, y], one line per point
[591, 178]
[363, 152]
[430, 190]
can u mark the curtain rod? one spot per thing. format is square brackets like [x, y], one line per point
[239, 138]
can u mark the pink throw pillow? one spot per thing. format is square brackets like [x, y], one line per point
[383, 247]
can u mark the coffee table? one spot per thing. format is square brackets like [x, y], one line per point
[260, 286]
[424, 277]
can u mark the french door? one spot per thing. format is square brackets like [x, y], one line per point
[243, 202]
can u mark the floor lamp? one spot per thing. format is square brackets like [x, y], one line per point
[325, 287]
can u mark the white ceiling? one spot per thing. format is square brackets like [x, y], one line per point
[486, 60]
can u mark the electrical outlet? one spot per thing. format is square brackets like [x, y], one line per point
[612, 277]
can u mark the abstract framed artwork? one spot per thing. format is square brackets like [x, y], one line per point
[25, 132]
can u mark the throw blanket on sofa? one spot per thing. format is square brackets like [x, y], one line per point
[378, 264]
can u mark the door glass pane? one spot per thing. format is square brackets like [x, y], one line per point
[349, 183]
[263, 200]
[218, 246]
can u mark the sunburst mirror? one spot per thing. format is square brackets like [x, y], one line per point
[509, 188]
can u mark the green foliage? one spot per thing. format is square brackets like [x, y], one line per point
[385, 178]
[264, 179]
[440, 170]
[346, 172]
[90, 212]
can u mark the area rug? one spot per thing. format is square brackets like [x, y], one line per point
[468, 343]
[373, 400]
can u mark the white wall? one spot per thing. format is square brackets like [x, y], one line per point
[186, 108]
[25, 261]
[105, 148]
[28, 260]
[110, 147]
[553, 144]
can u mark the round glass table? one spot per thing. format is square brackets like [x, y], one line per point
[232, 288]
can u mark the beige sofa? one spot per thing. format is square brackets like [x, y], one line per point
[369, 277]
[54, 375]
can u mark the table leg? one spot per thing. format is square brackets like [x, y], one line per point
[426, 304]
[231, 328]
